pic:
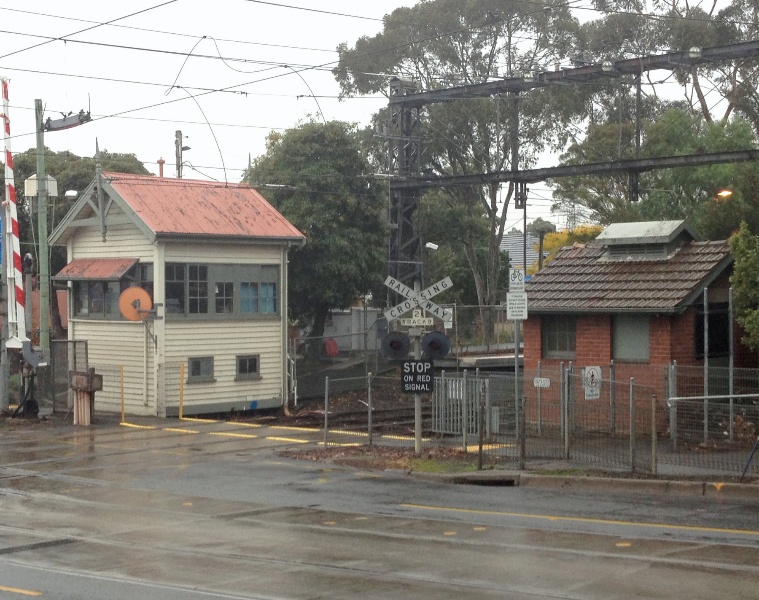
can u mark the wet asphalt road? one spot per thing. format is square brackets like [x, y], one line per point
[210, 510]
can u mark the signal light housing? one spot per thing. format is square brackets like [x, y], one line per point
[396, 345]
[435, 345]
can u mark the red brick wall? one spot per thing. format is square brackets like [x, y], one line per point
[533, 342]
[593, 341]
[671, 338]
[682, 342]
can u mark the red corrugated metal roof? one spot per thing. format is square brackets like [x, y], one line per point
[580, 279]
[104, 269]
[190, 207]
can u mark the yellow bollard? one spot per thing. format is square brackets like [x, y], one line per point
[123, 410]
[181, 390]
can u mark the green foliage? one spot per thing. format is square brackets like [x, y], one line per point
[469, 41]
[683, 193]
[745, 282]
[317, 176]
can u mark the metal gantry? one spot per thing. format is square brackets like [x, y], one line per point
[407, 181]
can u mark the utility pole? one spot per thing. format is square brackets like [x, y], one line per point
[179, 148]
[44, 258]
[42, 125]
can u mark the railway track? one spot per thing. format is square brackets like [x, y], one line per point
[386, 419]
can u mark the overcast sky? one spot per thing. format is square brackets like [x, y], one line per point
[120, 60]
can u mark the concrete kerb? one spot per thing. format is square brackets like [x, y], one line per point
[495, 477]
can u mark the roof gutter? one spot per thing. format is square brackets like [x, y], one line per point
[230, 239]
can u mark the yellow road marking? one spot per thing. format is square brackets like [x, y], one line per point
[404, 438]
[180, 430]
[286, 428]
[19, 591]
[341, 445]
[193, 420]
[284, 439]
[623, 544]
[241, 424]
[472, 449]
[474, 511]
[230, 434]
[125, 424]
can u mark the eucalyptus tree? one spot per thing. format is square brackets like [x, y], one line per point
[444, 43]
[707, 107]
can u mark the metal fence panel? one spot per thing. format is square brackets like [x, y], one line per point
[65, 356]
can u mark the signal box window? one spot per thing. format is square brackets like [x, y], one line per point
[248, 367]
[200, 369]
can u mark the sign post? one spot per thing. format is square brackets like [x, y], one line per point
[418, 375]
[516, 310]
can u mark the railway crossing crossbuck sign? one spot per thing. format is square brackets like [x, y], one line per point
[419, 300]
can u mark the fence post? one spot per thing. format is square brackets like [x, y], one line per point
[613, 397]
[326, 409]
[464, 411]
[481, 427]
[522, 432]
[672, 393]
[562, 404]
[540, 400]
[632, 423]
[731, 363]
[369, 405]
[653, 435]
[565, 414]
[441, 410]
[706, 364]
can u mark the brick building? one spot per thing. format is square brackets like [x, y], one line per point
[635, 296]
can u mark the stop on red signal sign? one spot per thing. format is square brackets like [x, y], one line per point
[417, 377]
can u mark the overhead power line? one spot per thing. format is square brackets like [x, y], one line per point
[139, 12]
[164, 32]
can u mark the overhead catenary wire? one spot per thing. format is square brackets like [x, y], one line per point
[123, 115]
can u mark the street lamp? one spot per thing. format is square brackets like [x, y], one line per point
[723, 194]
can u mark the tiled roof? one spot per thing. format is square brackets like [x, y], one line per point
[580, 279]
[189, 207]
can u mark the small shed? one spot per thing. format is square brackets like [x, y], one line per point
[179, 288]
[634, 295]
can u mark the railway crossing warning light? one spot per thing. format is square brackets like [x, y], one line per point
[396, 345]
[435, 345]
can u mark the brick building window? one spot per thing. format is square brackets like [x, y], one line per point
[558, 333]
[631, 338]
